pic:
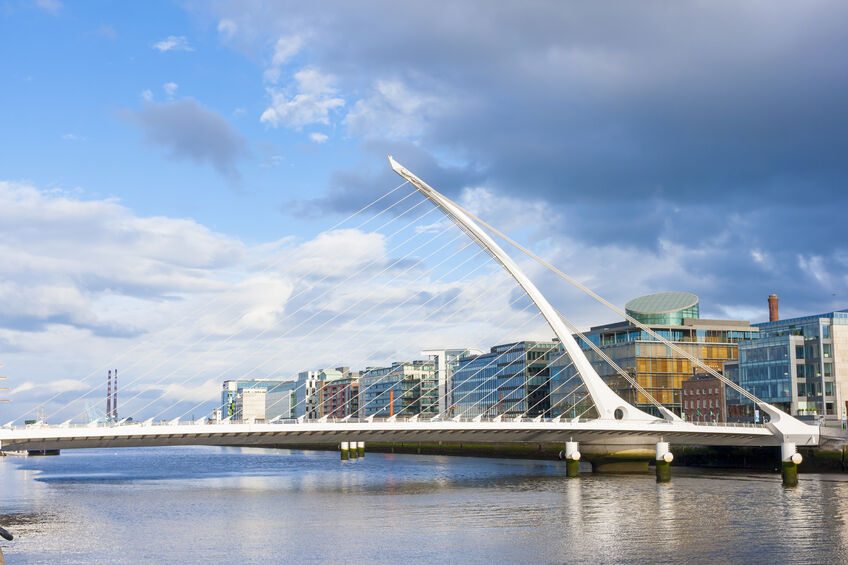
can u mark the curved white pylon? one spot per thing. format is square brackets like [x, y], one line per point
[607, 402]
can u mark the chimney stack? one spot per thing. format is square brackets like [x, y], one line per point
[773, 317]
[115, 398]
[109, 395]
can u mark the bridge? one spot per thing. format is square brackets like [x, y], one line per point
[608, 424]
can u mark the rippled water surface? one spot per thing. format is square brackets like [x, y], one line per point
[225, 505]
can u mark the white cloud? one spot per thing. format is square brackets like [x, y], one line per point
[189, 392]
[392, 110]
[318, 137]
[284, 49]
[73, 137]
[170, 88]
[173, 43]
[227, 28]
[273, 161]
[52, 7]
[56, 386]
[147, 95]
[182, 308]
[313, 100]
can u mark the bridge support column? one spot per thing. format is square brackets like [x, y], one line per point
[572, 459]
[790, 459]
[664, 459]
[360, 448]
[345, 450]
[354, 452]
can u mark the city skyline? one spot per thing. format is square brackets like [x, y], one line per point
[157, 156]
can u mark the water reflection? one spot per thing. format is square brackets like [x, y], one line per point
[178, 505]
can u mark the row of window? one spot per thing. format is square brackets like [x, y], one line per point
[698, 391]
[697, 404]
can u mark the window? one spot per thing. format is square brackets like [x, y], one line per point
[828, 388]
[826, 350]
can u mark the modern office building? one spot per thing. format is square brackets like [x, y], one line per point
[512, 379]
[402, 389]
[674, 316]
[704, 399]
[232, 388]
[249, 405]
[338, 398]
[280, 402]
[306, 394]
[308, 390]
[446, 362]
[799, 364]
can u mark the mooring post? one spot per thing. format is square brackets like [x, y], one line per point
[789, 461]
[664, 459]
[572, 459]
[345, 449]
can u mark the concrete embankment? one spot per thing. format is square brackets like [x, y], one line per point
[816, 460]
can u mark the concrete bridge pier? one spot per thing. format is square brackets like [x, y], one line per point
[663, 462]
[790, 459]
[344, 447]
[572, 459]
[360, 448]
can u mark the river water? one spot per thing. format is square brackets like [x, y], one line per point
[229, 505]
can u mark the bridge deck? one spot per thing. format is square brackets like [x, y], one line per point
[592, 432]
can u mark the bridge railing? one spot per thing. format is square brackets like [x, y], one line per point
[396, 419]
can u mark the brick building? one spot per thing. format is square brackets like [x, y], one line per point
[704, 399]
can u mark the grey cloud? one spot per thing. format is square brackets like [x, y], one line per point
[35, 323]
[192, 132]
[353, 189]
[719, 127]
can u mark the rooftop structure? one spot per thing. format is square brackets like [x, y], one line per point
[668, 308]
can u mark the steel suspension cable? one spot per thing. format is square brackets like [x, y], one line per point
[204, 306]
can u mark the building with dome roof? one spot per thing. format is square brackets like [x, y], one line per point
[676, 317]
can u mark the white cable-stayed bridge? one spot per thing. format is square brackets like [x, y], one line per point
[579, 410]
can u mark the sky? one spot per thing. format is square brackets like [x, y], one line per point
[161, 162]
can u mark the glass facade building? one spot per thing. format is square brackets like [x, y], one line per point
[403, 389]
[654, 365]
[232, 388]
[512, 379]
[664, 308]
[798, 364]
